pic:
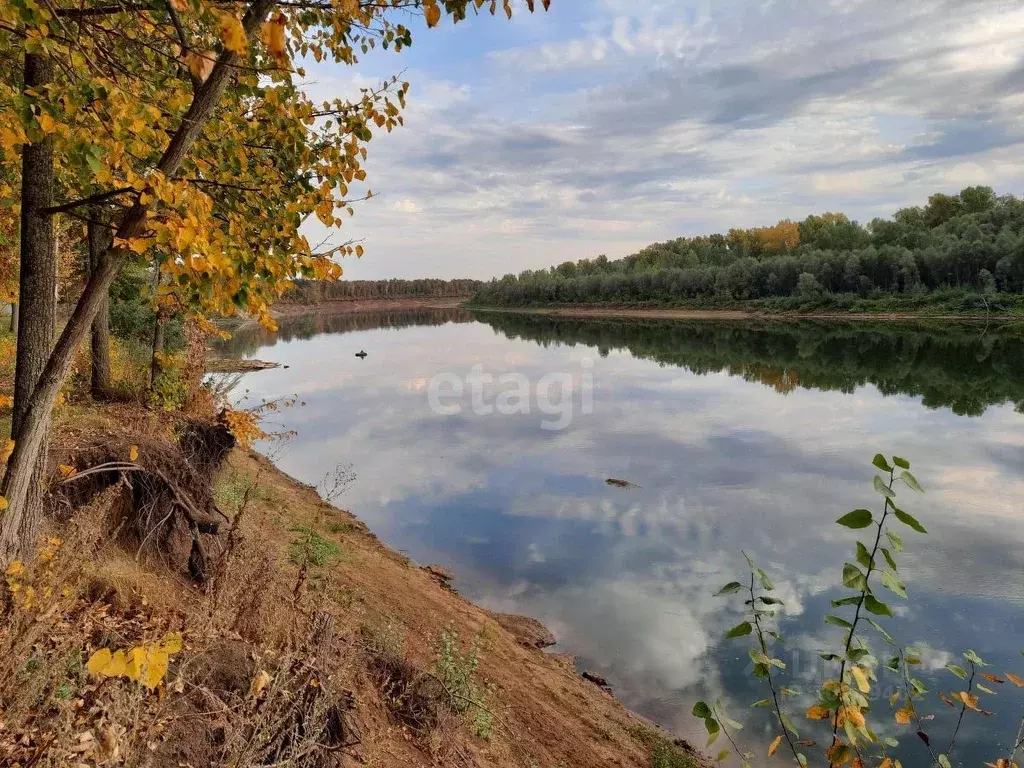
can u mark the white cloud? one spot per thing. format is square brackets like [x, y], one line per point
[405, 206]
[603, 127]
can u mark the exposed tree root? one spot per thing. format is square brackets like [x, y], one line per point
[167, 510]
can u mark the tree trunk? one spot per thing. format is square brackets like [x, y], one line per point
[30, 437]
[100, 237]
[37, 297]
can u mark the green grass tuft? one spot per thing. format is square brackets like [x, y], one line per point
[664, 754]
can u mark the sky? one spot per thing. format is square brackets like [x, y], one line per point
[605, 125]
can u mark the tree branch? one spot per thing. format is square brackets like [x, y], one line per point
[102, 10]
[185, 47]
[97, 198]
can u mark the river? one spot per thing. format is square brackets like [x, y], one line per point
[484, 443]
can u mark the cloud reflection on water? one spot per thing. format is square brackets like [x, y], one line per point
[724, 462]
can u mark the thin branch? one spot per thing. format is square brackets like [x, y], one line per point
[101, 10]
[860, 605]
[1020, 740]
[917, 716]
[183, 39]
[91, 199]
[771, 683]
[963, 710]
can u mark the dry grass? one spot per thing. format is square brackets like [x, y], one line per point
[346, 666]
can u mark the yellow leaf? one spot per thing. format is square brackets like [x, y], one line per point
[103, 663]
[16, 568]
[6, 449]
[903, 716]
[359, 251]
[774, 747]
[433, 14]
[66, 470]
[259, 683]
[172, 643]
[4, 504]
[47, 123]
[232, 34]
[818, 713]
[861, 678]
[274, 38]
[887, 763]
[98, 661]
[1015, 680]
[147, 664]
[133, 453]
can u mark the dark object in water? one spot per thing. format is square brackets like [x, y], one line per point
[620, 483]
[361, 354]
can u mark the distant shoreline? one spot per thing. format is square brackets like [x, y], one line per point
[731, 314]
[283, 310]
[344, 306]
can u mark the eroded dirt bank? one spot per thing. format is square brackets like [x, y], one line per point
[294, 636]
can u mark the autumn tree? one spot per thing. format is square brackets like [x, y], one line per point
[186, 118]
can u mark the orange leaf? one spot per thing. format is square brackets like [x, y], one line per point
[274, 38]
[200, 64]
[992, 678]
[969, 699]
[903, 716]
[839, 754]
[774, 747]
[1015, 680]
[853, 714]
[433, 14]
[818, 713]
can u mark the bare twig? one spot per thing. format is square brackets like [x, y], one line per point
[963, 709]
[917, 716]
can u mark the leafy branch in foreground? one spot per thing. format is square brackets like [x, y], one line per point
[843, 700]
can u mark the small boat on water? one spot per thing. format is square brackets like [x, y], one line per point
[361, 354]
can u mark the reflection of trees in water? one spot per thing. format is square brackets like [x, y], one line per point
[248, 339]
[964, 367]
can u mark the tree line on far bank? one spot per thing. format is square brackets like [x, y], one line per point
[965, 251]
[319, 291]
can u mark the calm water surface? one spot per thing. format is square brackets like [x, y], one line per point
[739, 436]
